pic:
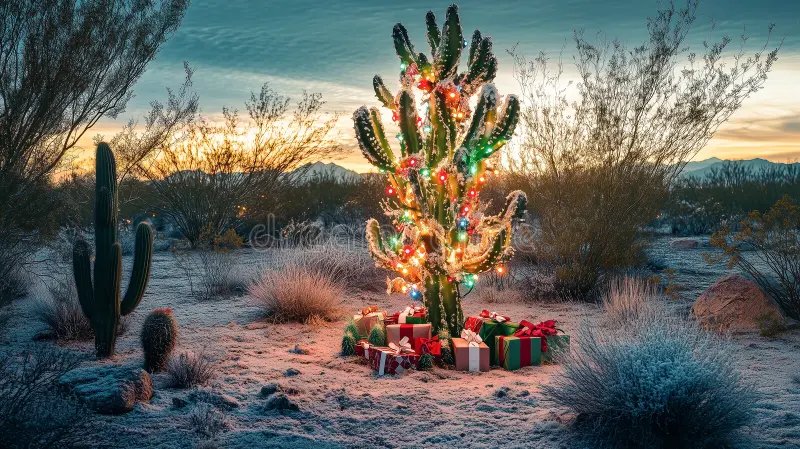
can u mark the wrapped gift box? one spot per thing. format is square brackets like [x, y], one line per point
[390, 361]
[411, 315]
[369, 317]
[363, 348]
[489, 328]
[555, 344]
[396, 332]
[468, 357]
[516, 352]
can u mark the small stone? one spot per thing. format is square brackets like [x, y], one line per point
[298, 350]
[214, 398]
[256, 326]
[291, 372]
[501, 392]
[269, 389]
[280, 401]
[242, 365]
[179, 403]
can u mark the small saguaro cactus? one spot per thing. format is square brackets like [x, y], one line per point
[443, 238]
[100, 300]
[159, 336]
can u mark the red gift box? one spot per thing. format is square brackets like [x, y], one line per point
[396, 332]
[390, 361]
[363, 348]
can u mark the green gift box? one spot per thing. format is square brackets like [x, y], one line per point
[512, 353]
[416, 319]
[488, 329]
[555, 344]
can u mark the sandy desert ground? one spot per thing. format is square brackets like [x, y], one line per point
[343, 404]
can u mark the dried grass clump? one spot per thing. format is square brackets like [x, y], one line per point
[189, 369]
[207, 421]
[495, 296]
[350, 265]
[60, 312]
[298, 294]
[629, 299]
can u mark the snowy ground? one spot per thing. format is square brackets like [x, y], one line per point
[343, 404]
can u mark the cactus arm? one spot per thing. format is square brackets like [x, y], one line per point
[451, 44]
[368, 141]
[408, 123]
[375, 244]
[487, 102]
[491, 254]
[402, 45]
[474, 46]
[506, 123]
[382, 92]
[380, 134]
[82, 270]
[434, 35]
[140, 275]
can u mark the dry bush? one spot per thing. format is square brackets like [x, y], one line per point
[220, 176]
[349, 265]
[209, 266]
[489, 295]
[207, 420]
[775, 241]
[598, 156]
[61, 313]
[189, 369]
[660, 382]
[33, 412]
[628, 300]
[298, 294]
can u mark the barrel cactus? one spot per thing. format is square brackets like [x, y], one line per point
[159, 337]
[441, 238]
[100, 297]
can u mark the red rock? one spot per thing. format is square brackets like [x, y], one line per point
[733, 303]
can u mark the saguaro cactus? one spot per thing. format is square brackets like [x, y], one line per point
[100, 300]
[443, 237]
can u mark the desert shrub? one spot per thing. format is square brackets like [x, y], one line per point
[490, 295]
[770, 324]
[698, 205]
[774, 237]
[660, 382]
[33, 413]
[209, 266]
[189, 369]
[207, 420]
[598, 156]
[350, 265]
[60, 311]
[628, 300]
[297, 294]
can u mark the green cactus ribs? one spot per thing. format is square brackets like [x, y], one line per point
[159, 337]
[100, 297]
[445, 154]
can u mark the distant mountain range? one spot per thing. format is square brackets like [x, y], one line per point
[701, 169]
[694, 168]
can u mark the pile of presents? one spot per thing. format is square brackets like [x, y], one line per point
[489, 339]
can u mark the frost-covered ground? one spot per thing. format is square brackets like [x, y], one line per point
[343, 404]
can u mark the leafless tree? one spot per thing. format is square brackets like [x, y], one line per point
[598, 167]
[64, 64]
[209, 177]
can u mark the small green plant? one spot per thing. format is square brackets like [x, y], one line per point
[425, 362]
[770, 324]
[350, 338]
[447, 351]
[377, 336]
[159, 337]
[99, 296]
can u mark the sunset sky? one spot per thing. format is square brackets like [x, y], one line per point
[335, 47]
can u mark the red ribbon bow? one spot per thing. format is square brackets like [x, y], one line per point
[541, 330]
[424, 345]
[494, 316]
